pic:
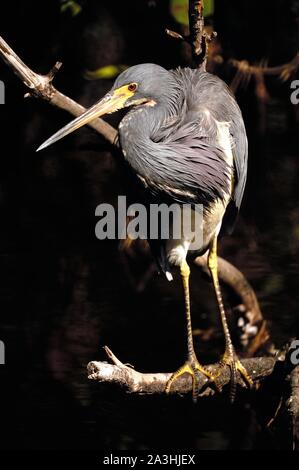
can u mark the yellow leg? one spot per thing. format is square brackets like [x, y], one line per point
[191, 366]
[229, 358]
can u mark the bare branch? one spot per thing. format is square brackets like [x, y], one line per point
[196, 26]
[284, 71]
[150, 383]
[198, 38]
[41, 86]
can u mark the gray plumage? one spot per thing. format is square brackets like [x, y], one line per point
[173, 145]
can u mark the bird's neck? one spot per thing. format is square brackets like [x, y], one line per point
[137, 132]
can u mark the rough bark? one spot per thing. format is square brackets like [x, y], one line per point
[149, 383]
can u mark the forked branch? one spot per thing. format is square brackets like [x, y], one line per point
[42, 87]
[198, 37]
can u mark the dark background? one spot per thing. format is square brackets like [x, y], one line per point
[64, 294]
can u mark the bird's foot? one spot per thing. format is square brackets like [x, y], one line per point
[231, 360]
[192, 367]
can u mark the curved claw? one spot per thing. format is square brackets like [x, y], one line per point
[235, 365]
[192, 368]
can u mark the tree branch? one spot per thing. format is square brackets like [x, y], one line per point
[152, 383]
[284, 71]
[196, 26]
[41, 86]
[198, 38]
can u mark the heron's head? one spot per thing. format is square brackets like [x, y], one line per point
[140, 84]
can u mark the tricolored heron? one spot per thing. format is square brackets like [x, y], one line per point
[185, 141]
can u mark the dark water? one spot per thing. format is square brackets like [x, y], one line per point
[64, 295]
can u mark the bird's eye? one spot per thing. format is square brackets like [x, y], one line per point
[132, 87]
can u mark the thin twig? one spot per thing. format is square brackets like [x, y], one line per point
[41, 86]
[284, 71]
[174, 34]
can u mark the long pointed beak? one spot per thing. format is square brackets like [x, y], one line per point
[109, 104]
